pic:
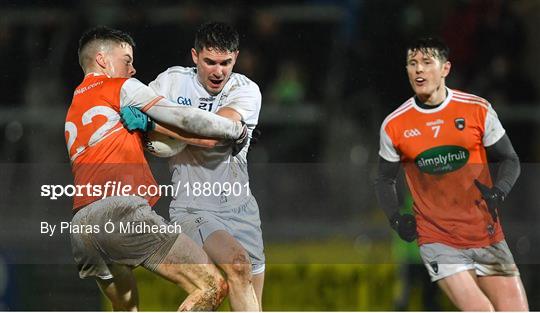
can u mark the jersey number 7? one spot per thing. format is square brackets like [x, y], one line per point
[436, 130]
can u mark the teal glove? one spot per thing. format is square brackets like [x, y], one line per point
[133, 119]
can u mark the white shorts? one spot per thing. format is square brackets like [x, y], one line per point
[442, 261]
[243, 223]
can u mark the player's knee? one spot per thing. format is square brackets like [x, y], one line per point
[240, 269]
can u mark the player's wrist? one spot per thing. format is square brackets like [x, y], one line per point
[498, 194]
[241, 141]
[244, 132]
[150, 124]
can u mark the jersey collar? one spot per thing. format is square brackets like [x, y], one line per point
[443, 105]
[95, 74]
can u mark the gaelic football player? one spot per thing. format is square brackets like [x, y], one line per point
[214, 205]
[444, 138]
[103, 151]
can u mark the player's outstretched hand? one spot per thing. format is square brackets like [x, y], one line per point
[493, 197]
[242, 141]
[133, 119]
[405, 226]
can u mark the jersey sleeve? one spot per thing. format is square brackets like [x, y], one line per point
[387, 149]
[493, 129]
[246, 100]
[161, 84]
[136, 94]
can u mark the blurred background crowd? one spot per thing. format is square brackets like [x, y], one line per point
[329, 72]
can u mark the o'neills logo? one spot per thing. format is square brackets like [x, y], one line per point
[442, 160]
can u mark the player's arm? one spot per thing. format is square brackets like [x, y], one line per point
[385, 186]
[133, 119]
[385, 189]
[229, 113]
[189, 138]
[193, 139]
[196, 121]
[387, 171]
[509, 167]
[243, 104]
[499, 148]
[193, 120]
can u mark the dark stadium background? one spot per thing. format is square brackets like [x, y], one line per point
[329, 71]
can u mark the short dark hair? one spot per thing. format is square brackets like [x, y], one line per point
[217, 35]
[430, 45]
[103, 33]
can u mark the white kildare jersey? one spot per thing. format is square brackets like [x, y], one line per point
[210, 179]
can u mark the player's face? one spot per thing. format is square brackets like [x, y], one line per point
[427, 75]
[214, 68]
[119, 61]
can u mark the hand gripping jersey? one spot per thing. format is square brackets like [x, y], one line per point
[203, 177]
[443, 152]
[101, 150]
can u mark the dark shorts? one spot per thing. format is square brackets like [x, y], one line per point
[119, 230]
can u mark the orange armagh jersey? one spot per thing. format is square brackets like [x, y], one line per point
[443, 152]
[101, 150]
